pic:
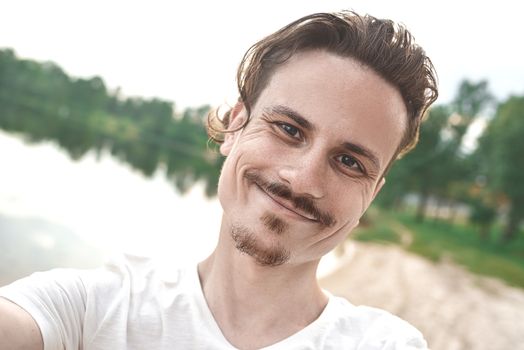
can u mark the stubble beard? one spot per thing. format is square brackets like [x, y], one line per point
[246, 242]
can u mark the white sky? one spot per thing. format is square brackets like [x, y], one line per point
[187, 51]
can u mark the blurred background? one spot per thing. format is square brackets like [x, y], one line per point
[103, 151]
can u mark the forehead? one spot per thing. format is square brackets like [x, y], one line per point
[345, 100]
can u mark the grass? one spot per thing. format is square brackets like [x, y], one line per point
[436, 240]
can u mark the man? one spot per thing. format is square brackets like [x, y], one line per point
[326, 105]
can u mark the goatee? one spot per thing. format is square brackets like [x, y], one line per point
[247, 243]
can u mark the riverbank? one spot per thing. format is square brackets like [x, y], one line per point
[453, 308]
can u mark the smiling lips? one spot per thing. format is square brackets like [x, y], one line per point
[298, 206]
[288, 206]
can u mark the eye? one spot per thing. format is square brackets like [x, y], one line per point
[350, 162]
[290, 130]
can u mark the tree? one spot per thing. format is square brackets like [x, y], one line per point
[41, 101]
[438, 167]
[482, 203]
[501, 150]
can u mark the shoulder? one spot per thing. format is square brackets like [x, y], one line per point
[373, 328]
[71, 306]
[127, 279]
[123, 279]
[55, 286]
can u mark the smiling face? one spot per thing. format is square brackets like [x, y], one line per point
[300, 175]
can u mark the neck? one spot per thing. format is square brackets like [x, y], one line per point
[256, 305]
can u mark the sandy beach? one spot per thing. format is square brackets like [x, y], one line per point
[453, 308]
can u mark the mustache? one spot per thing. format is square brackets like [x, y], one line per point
[303, 203]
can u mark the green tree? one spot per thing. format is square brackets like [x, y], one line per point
[42, 102]
[501, 151]
[437, 166]
[483, 206]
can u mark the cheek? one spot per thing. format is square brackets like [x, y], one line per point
[330, 240]
[224, 189]
[229, 179]
[241, 157]
[367, 197]
[350, 204]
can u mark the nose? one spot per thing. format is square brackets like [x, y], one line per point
[305, 173]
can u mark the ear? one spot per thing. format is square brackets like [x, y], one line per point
[379, 186]
[237, 118]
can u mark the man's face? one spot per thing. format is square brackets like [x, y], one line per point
[300, 175]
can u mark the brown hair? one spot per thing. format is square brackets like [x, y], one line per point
[388, 48]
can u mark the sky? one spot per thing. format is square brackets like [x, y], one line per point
[188, 51]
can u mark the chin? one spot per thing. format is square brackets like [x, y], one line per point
[252, 244]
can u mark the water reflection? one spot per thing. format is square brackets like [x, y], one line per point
[33, 244]
[58, 212]
[183, 156]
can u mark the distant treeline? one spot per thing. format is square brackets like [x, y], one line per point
[43, 103]
[488, 179]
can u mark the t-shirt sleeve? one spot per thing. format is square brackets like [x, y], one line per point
[56, 300]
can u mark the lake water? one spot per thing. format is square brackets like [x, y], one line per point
[101, 207]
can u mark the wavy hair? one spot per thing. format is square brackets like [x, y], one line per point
[386, 47]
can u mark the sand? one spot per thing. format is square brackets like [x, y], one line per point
[452, 307]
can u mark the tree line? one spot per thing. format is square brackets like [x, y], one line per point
[487, 179]
[41, 102]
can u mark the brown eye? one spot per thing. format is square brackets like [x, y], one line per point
[290, 130]
[349, 162]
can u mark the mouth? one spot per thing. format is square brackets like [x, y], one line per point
[288, 206]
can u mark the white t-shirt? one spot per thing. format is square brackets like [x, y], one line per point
[132, 305]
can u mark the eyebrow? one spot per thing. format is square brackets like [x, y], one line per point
[303, 122]
[290, 113]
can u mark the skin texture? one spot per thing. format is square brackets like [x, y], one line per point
[294, 184]
[18, 330]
